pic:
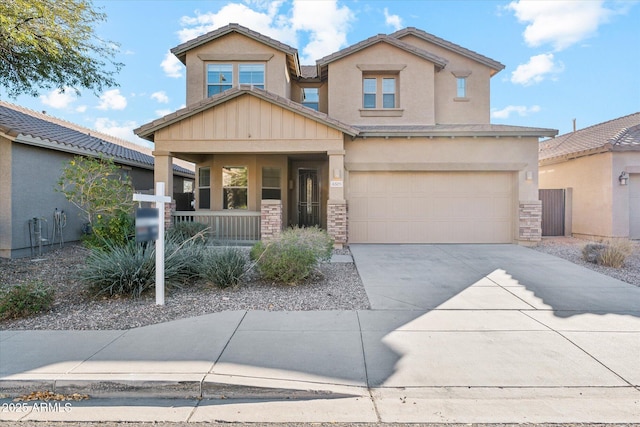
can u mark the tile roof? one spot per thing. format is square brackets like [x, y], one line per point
[439, 61]
[181, 50]
[491, 63]
[28, 126]
[622, 133]
[455, 130]
[146, 131]
[308, 71]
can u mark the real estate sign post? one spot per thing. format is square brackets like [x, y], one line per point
[159, 199]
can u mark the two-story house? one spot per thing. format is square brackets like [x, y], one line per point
[386, 141]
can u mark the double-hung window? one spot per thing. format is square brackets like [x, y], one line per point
[251, 74]
[234, 187]
[379, 92]
[204, 188]
[461, 87]
[219, 78]
[271, 184]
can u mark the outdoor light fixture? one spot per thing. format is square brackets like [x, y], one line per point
[623, 178]
[529, 176]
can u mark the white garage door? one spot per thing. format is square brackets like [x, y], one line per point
[634, 206]
[431, 207]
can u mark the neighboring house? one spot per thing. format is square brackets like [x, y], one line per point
[597, 169]
[386, 141]
[34, 148]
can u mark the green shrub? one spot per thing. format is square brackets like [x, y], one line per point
[24, 300]
[224, 267]
[292, 256]
[185, 230]
[116, 230]
[130, 269]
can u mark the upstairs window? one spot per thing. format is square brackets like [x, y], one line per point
[369, 87]
[234, 187]
[251, 74]
[310, 97]
[219, 78]
[388, 92]
[379, 91]
[461, 87]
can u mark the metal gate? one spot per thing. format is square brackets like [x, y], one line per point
[553, 211]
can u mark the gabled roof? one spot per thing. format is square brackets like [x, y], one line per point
[147, 131]
[454, 130]
[322, 63]
[33, 128]
[493, 64]
[621, 134]
[181, 50]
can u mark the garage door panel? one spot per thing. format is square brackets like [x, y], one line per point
[431, 207]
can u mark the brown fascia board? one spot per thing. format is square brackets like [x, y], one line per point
[438, 61]
[147, 131]
[491, 63]
[181, 50]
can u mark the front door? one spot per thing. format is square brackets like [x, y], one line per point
[308, 198]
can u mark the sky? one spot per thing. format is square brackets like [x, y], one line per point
[564, 60]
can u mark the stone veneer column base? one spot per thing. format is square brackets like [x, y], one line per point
[530, 221]
[337, 222]
[169, 208]
[270, 219]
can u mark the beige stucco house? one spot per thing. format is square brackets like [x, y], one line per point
[599, 169]
[385, 141]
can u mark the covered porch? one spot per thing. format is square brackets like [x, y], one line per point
[263, 163]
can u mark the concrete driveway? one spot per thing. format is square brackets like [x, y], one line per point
[486, 277]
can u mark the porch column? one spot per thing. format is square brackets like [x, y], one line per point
[337, 205]
[270, 219]
[163, 172]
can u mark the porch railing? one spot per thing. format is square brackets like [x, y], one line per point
[236, 226]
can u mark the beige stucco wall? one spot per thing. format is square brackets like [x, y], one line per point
[235, 48]
[415, 93]
[591, 179]
[450, 154]
[449, 109]
[601, 206]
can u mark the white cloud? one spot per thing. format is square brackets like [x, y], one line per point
[326, 23]
[162, 113]
[112, 100]
[521, 110]
[323, 22]
[58, 99]
[172, 66]
[392, 20]
[536, 70]
[268, 23]
[81, 109]
[122, 130]
[160, 96]
[561, 23]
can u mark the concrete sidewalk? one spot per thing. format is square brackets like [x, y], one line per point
[457, 333]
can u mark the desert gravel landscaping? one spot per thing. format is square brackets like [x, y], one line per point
[336, 287]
